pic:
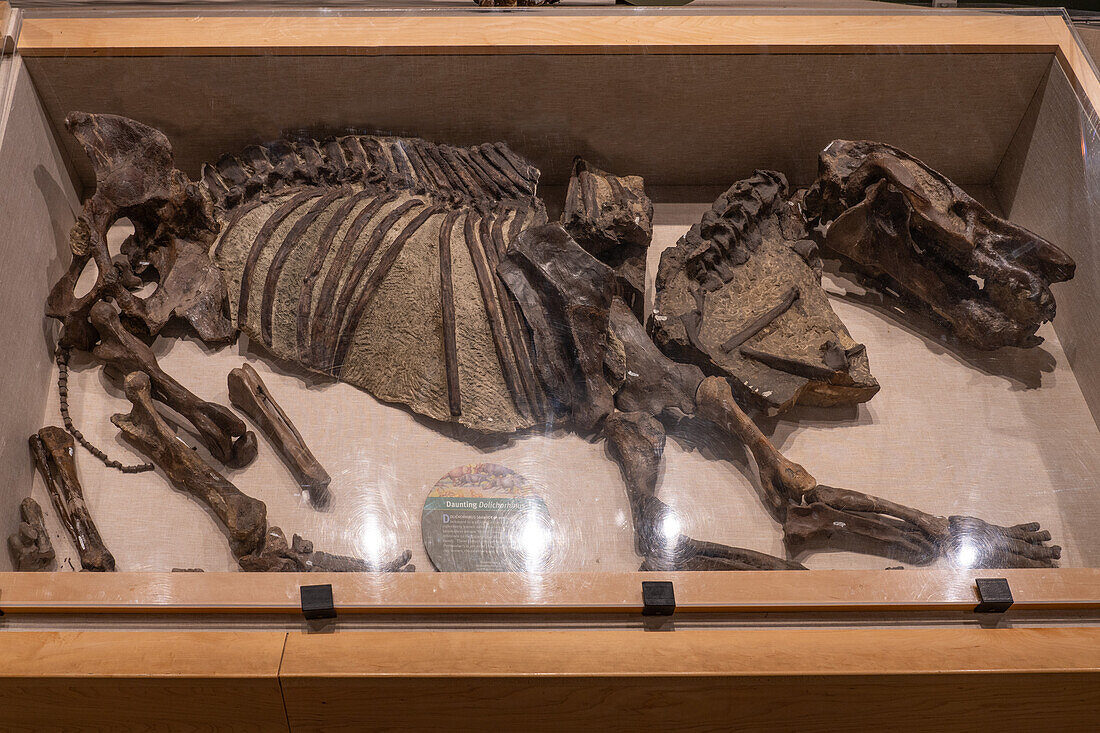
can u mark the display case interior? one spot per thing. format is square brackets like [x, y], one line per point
[954, 415]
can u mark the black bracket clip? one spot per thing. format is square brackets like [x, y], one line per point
[658, 598]
[317, 602]
[994, 595]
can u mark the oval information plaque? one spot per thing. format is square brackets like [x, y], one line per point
[485, 517]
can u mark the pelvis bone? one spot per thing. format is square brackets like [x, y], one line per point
[901, 222]
[174, 226]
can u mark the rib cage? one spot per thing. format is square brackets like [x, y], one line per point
[383, 273]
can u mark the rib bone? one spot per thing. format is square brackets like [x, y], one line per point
[223, 433]
[249, 394]
[52, 449]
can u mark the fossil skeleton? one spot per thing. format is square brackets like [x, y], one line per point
[429, 276]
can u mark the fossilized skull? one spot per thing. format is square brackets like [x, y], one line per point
[902, 223]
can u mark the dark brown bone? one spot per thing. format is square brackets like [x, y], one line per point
[374, 281]
[135, 178]
[716, 306]
[844, 519]
[637, 441]
[758, 324]
[816, 516]
[492, 241]
[651, 382]
[604, 211]
[300, 557]
[243, 518]
[224, 434]
[30, 547]
[570, 293]
[612, 218]
[502, 341]
[901, 222]
[783, 481]
[447, 308]
[249, 394]
[52, 450]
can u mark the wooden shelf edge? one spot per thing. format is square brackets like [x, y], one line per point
[544, 33]
[584, 679]
[691, 653]
[591, 652]
[825, 591]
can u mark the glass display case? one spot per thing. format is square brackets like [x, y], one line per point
[485, 318]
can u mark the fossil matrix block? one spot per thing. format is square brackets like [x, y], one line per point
[738, 295]
[612, 217]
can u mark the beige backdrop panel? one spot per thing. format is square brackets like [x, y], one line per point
[36, 212]
[694, 119]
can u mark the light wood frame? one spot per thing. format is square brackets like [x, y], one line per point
[606, 679]
[490, 33]
[808, 680]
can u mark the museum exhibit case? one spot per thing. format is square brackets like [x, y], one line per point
[524, 334]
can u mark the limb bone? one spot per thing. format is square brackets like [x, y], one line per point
[30, 547]
[255, 545]
[815, 516]
[223, 433]
[783, 481]
[637, 441]
[299, 557]
[245, 518]
[52, 450]
[249, 394]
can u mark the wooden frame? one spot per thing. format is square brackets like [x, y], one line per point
[609, 680]
[542, 33]
[586, 678]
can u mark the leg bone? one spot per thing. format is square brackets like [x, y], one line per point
[783, 481]
[52, 449]
[245, 519]
[637, 440]
[30, 547]
[816, 516]
[223, 433]
[249, 394]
